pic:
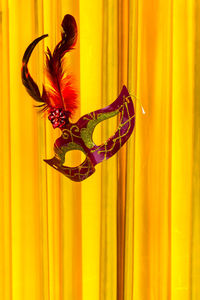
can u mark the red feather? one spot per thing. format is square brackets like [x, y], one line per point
[60, 93]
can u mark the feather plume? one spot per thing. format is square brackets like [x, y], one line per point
[60, 93]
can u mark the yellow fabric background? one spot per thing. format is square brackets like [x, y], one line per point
[131, 230]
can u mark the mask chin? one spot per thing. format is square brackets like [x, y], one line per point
[78, 173]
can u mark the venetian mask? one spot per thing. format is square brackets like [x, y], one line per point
[59, 100]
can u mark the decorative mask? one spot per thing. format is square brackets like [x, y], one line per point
[60, 101]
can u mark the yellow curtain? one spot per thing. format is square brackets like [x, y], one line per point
[132, 229]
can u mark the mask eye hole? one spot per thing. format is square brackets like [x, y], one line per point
[105, 129]
[74, 158]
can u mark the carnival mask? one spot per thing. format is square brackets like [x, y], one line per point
[59, 100]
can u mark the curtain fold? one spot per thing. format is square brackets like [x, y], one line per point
[131, 230]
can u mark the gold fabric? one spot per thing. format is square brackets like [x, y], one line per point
[131, 230]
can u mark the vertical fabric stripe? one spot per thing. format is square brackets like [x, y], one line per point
[195, 243]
